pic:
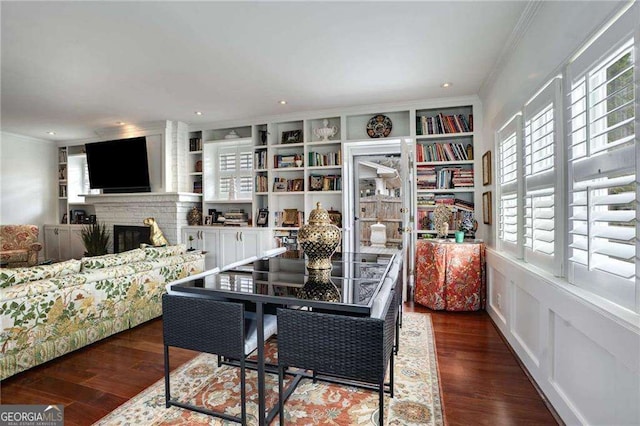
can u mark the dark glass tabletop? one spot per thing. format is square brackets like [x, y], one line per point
[355, 279]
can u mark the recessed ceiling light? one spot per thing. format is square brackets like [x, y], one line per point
[445, 85]
[198, 112]
[51, 133]
[282, 102]
[120, 123]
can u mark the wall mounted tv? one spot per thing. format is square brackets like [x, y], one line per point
[119, 166]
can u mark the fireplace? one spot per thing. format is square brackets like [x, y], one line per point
[127, 237]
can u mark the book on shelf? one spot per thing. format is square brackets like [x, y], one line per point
[327, 159]
[197, 187]
[262, 183]
[260, 159]
[441, 124]
[195, 144]
[285, 161]
[444, 151]
[428, 201]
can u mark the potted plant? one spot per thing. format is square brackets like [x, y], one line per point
[190, 243]
[95, 238]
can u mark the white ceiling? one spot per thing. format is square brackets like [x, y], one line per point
[74, 67]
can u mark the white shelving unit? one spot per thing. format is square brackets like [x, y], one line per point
[445, 165]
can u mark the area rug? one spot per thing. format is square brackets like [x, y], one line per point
[201, 382]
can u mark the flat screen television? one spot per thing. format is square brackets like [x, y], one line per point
[119, 166]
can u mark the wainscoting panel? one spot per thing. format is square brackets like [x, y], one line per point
[583, 352]
[583, 371]
[526, 322]
[498, 293]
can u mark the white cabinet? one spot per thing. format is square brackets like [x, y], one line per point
[239, 243]
[226, 245]
[63, 242]
[203, 239]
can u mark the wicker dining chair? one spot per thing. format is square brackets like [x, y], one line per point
[357, 348]
[215, 327]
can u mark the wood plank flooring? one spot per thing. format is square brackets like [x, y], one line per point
[482, 382]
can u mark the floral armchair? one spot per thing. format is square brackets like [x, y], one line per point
[19, 245]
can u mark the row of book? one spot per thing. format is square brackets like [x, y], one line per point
[260, 159]
[284, 161]
[195, 144]
[327, 159]
[446, 151]
[428, 177]
[432, 200]
[441, 124]
[262, 183]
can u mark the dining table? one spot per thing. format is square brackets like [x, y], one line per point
[284, 281]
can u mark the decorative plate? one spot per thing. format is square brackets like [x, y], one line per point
[379, 126]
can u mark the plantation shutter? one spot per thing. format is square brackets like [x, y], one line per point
[235, 165]
[509, 167]
[603, 165]
[542, 183]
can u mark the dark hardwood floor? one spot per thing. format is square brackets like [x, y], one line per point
[482, 382]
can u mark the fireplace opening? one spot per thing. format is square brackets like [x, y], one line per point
[129, 237]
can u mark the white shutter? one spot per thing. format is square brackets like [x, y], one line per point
[602, 172]
[235, 166]
[509, 168]
[542, 181]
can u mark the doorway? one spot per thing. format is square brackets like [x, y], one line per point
[391, 160]
[378, 215]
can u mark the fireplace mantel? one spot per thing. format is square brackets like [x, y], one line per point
[142, 197]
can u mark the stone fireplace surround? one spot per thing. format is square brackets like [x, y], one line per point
[168, 208]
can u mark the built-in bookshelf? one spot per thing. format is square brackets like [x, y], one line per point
[194, 162]
[63, 170]
[445, 166]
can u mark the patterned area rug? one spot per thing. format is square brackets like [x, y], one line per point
[201, 382]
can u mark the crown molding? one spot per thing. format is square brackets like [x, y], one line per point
[341, 111]
[519, 30]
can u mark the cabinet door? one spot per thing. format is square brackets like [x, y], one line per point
[65, 245]
[196, 239]
[250, 243]
[76, 245]
[229, 251]
[210, 244]
[52, 243]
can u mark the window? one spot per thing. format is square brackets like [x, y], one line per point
[234, 169]
[602, 170]
[78, 179]
[543, 184]
[509, 164]
[570, 204]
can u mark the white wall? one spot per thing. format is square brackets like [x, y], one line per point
[583, 352]
[28, 181]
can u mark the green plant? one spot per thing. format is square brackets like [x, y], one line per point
[95, 238]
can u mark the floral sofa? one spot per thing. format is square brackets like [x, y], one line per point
[48, 311]
[19, 245]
